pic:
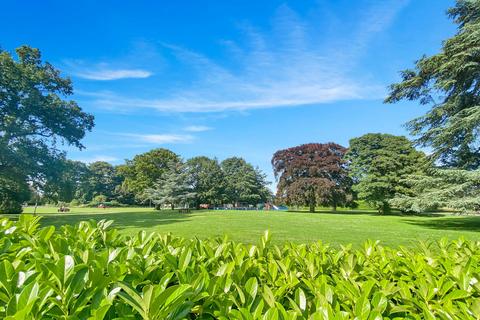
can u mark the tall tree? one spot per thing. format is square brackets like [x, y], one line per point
[243, 182]
[207, 179]
[450, 83]
[102, 179]
[69, 183]
[172, 188]
[145, 170]
[313, 174]
[121, 194]
[34, 117]
[441, 188]
[378, 163]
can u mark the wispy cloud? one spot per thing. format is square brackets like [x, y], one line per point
[159, 138]
[197, 128]
[289, 65]
[96, 158]
[104, 71]
[113, 74]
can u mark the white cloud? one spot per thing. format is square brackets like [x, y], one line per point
[197, 128]
[287, 66]
[113, 74]
[103, 71]
[98, 158]
[159, 138]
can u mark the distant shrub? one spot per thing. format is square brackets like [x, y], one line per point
[99, 199]
[115, 203]
[74, 203]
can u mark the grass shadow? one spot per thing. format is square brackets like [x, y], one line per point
[451, 223]
[121, 220]
[373, 213]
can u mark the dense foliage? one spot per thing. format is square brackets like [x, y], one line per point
[313, 174]
[34, 118]
[244, 184]
[172, 189]
[207, 180]
[234, 181]
[449, 82]
[90, 272]
[378, 163]
[441, 188]
[145, 169]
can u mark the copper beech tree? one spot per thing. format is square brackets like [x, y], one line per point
[313, 174]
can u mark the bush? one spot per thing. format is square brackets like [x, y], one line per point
[91, 272]
[10, 206]
[115, 203]
[74, 203]
[12, 195]
[99, 199]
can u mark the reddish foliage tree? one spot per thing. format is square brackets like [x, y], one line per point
[313, 174]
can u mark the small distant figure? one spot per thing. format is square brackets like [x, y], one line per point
[63, 209]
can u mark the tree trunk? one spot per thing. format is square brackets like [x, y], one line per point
[334, 207]
[36, 205]
[312, 201]
[385, 208]
[312, 206]
[172, 206]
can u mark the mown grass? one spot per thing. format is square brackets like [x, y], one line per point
[343, 227]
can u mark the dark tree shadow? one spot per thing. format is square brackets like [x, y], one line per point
[373, 213]
[121, 220]
[453, 223]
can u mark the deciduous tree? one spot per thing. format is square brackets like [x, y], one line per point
[102, 179]
[378, 163]
[34, 117]
[145, 170]
[207, 180]
[313, 174]
[70, 182]
[243, 182]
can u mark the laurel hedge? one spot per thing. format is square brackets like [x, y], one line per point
[90, 271]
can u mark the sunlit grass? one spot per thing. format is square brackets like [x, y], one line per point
[247, 226]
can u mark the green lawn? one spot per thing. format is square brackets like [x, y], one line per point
[247, 226]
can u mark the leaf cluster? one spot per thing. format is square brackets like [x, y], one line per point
[89, 271]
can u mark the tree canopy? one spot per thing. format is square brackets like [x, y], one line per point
[145, 169]
[243, 182]
[313, 174]
[441, 188]
[207, 180]
[378, 163]
[70, 183]
[172, 188]
[34, 117]
[449, 82]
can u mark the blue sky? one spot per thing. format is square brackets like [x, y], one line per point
[229, 78]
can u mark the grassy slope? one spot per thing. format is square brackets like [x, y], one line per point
[247, 226]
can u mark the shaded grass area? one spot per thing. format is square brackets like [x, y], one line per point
[344, 227]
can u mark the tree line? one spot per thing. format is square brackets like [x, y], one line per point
[371, 169]
[37, 118]
[448, 84]
[387, 171]
[157, 177]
